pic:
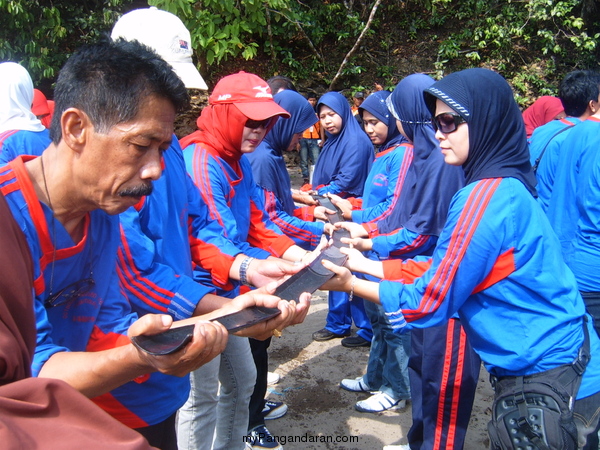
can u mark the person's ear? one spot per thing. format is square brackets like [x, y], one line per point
[76, 128]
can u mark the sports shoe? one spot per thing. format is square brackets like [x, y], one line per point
[326, 335]
[355, 341]
[260, 438]
[397, 447]
[272, 378]
[354, 385]
[379, 402]
[274, 410]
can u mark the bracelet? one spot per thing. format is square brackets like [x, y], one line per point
[352, 288]
[244, 269]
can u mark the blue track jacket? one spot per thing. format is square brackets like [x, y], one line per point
[498, 264]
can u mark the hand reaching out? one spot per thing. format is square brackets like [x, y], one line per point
[356, 229]
[210, 339]
[264, 271]
[344, 205]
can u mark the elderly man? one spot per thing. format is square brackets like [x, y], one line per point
[115, 107]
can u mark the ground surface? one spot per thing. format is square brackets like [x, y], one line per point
[319, 409]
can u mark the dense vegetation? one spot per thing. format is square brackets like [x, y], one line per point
[533, 43]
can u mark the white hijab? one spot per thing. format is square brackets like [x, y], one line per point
[16, 97]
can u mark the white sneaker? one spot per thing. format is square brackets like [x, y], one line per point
[379, 402]
[354, 385]
[272, 378]
[397, 447]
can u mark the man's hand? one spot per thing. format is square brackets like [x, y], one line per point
[210, 339]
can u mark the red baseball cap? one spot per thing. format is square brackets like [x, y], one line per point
[249, 93]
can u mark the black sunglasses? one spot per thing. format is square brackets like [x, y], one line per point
[70, 292]
[254, 124]
[447, 122]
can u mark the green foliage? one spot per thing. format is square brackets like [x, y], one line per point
[531, 43]
[222, 29]
[295, 32]
[40, 35]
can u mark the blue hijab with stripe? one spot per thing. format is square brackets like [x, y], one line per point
[346, 157]
[375, 104]
[497, 139]
[268, 165]
[430, 182]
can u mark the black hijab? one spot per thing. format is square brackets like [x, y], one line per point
[497, 140]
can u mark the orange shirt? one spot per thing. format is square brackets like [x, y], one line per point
[313, 132]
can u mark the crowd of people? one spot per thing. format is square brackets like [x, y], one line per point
[473, 237]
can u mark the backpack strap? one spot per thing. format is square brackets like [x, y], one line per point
[539, 158]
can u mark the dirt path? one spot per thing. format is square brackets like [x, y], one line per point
[319, 409]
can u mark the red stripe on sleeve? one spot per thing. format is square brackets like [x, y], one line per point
[466, 226]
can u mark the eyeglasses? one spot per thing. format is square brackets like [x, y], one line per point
[70, 292]
[447, 122]
[254, 124]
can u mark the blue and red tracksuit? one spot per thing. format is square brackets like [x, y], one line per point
[304, 233]
[382, 189]
[234, 201]
[498, 265]
[270, 173]
[384, 183]
[379, 201]
[166, 236]
[22, 142]
[441, 360]
[99, 318]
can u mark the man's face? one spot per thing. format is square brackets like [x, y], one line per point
[119, 166]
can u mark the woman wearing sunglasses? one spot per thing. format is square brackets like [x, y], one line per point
[441, 359]
[241, 111]
[498, 265]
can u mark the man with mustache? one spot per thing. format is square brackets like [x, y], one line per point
[115, 107]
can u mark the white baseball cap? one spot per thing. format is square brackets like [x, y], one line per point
[166, 34]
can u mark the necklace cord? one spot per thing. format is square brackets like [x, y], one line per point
[51, 225]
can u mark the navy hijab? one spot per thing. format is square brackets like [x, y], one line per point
[346, 157]
[268, 165]
[375, 104]
[497, 140]
[430, 183]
